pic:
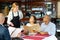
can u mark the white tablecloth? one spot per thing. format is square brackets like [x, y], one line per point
[50, 38]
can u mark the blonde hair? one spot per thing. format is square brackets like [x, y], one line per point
[15, 4]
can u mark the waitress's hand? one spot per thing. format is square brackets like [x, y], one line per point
[11, 24]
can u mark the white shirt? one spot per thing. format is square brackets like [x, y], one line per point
[50, 28]
[52, 37]
[10, 16]
[28, 24]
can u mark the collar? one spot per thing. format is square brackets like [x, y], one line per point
[48, 23]
[1, 24]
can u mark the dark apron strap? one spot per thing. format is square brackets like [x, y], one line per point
[18, 24]
[13, 14]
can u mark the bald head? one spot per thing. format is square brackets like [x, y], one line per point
[1, 15]
[2, 18]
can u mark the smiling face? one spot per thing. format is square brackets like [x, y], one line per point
[46, 19]
[32, 19]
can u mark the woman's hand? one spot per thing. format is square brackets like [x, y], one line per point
[11, 24]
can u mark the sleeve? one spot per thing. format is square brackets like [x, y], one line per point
[41, 28]
[28, 24]
[20, 14]
[9, 17]
[6, 35]
[52, 30]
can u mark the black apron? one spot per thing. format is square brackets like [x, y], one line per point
[16, 20]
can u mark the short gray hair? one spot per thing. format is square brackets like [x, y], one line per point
[48, 16]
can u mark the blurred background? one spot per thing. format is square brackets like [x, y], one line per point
[38, 8]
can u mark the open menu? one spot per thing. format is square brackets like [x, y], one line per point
[33, 28]
[14, 31]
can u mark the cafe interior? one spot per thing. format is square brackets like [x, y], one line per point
[38, 8]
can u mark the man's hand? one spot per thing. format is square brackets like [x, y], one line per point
[43, 32]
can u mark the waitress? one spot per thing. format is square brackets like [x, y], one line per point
[14, 16]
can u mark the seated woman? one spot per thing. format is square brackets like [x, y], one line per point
[32, 26]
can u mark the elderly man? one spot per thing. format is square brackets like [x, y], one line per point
[4, 33]
[47, 27]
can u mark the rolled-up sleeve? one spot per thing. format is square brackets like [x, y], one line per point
[20, 14]
[9, 17]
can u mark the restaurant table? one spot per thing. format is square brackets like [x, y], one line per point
[40, 37]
